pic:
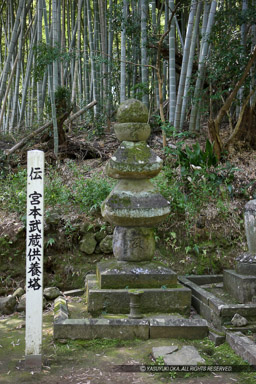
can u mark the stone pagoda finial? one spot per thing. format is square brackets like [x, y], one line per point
[134, 206]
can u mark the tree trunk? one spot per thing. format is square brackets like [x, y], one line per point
[123, 55]
[144, 56]
[172, 68]
[184, 65]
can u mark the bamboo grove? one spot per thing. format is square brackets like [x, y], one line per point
[183, 58]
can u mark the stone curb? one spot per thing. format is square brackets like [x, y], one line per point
[243, 346]
[209, 306]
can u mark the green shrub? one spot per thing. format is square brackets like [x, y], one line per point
[89, 193]
[13, 195]
[83, 194]
[196, 156]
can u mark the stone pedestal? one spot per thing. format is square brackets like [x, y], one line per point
[134, 206]
[133, 244]
[241, 283]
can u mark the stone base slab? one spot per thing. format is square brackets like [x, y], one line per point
[167, 300]
[164, 326]
[242, 287]
[115, 274]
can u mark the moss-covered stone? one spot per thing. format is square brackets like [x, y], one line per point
[88, 243]
[106, 244]
[134, 161]
[135, 203]
[7, 305]
[132, 131]
[132, 110]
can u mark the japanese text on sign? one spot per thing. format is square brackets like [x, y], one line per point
[34, 246]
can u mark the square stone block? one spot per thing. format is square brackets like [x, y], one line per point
[241, 287]
[113, 274]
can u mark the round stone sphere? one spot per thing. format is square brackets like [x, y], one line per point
[132, 111]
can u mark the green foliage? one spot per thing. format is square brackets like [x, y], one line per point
[13, 191]
[56, 192]
[45, 55]
[141, 89]
[227, 50]
[62, 97]
[90, 193]
[86, 195]
[192, 179]
[94, 345]
[196, 156]
[171, 131]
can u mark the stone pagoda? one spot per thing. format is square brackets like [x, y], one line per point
[241, 282]
[135, 207]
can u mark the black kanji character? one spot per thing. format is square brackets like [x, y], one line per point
[36, 173]
[35, 198]
[34, 226]
[34, 283]
[35, 212]
[34, 253]
[35, 269]
[34, 240]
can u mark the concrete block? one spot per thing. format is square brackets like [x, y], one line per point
[246, 310]
[162, 351]
[187, 355]
[202, 308]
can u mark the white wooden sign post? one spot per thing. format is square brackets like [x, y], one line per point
[34, 259]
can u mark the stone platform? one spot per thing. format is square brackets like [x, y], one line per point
[121, 327]
[160, 300]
